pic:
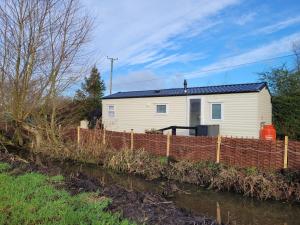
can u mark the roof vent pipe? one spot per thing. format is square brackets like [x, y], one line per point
[185, 85]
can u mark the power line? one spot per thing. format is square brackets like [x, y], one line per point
[111, 72]
[216, 69]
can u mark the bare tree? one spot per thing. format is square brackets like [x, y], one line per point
[296, 50]
[41, 44]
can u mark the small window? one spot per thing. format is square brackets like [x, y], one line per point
[111, 111]
[161, 108]
[216, 111]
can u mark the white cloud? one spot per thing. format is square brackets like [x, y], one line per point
[278, 26]
[200, 27]
[136, 31]
[271, 50]
[175, 58]
[246, 18]
[145, 57]
[140, 80]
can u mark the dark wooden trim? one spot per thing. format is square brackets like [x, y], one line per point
[174, 128]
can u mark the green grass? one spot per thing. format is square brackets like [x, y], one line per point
[32, 199]
[163, 160]
[4, 167]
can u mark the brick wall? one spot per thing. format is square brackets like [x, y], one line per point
[240, 152]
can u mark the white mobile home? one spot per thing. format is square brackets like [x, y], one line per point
[238, 109]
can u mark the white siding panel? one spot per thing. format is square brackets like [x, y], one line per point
[240, 114]
[265, 107]
[140, 113]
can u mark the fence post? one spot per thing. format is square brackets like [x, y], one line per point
[218, 148]
[78, 135]
[219, 219]
[168, 144]
[131, 140]
[285, 160]
[103, 137]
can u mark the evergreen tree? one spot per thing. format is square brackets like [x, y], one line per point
[94, 86]
[89, 98]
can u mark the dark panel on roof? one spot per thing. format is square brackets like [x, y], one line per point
[208, 90]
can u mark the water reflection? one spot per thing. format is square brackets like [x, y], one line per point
[223, 206]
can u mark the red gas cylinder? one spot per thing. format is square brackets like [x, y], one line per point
[268, 132]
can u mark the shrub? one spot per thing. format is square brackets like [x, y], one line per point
[137, 162]
[163, 160]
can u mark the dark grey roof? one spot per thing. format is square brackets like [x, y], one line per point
[208, 90]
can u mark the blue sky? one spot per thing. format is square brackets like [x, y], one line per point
[161, 42]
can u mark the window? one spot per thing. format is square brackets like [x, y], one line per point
[161, 108]
[216, 111]
[111, 111]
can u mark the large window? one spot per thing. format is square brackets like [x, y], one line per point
[111, 111]
[161, 108]
[216, 111]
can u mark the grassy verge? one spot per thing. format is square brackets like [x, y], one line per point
[31, 198]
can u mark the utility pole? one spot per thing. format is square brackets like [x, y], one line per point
[111, 72]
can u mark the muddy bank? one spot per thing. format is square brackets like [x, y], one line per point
[141, 207]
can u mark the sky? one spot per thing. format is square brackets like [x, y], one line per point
[159, 43]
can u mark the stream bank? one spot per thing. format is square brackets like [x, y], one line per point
[281, 185]
[142, 207]
[237, 209]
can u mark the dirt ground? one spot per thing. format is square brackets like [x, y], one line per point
[141, 207]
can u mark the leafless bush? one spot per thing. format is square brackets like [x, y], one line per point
[41, 45]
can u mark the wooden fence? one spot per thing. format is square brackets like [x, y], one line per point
[240, 152]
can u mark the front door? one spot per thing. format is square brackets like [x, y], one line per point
[195, 114]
